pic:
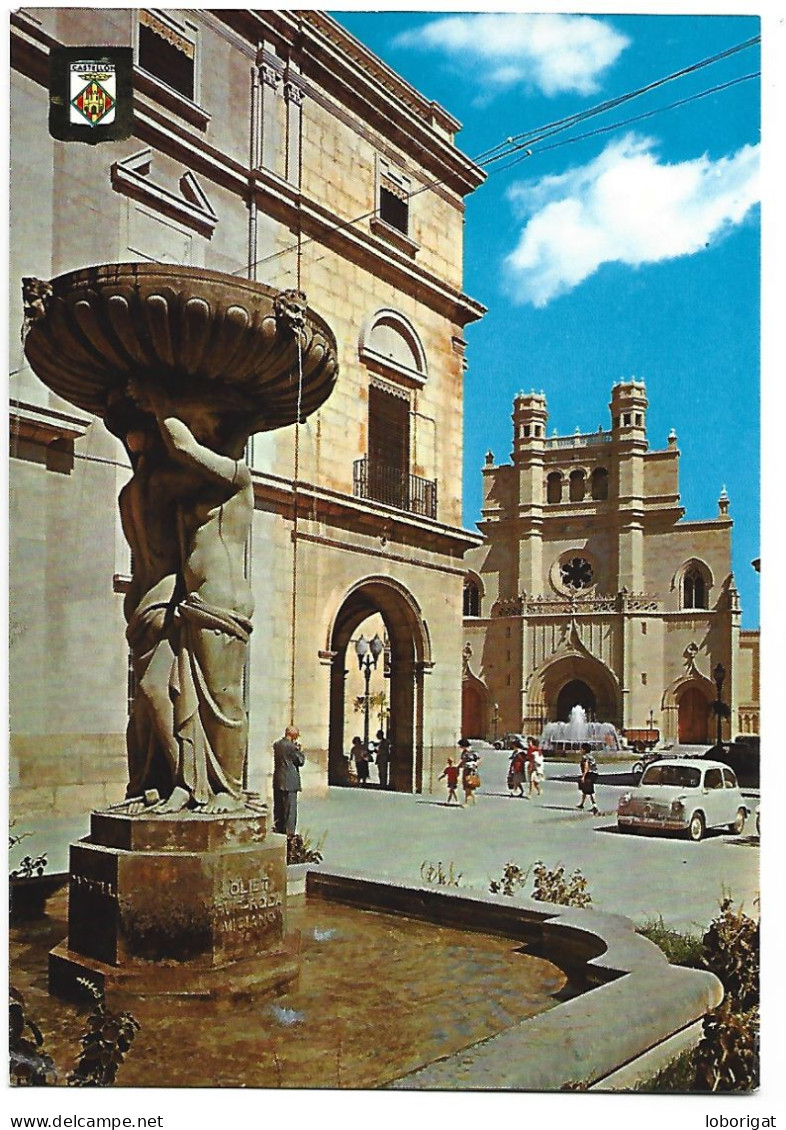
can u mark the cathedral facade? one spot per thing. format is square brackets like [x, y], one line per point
[592, 590]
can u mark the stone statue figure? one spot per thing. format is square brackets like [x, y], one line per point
[183, 364]
[186, 514]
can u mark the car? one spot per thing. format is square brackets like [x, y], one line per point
[742, 757]
[509, 741]
[686, 795]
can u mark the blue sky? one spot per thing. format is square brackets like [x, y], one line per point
[631, 253]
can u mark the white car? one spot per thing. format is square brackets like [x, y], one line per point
[684, 795]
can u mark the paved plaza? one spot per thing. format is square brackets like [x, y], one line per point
[391, 835]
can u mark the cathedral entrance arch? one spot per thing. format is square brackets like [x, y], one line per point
[575, 693]
[568, 680]
[408, 656]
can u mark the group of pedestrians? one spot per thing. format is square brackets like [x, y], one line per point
[361, 756]
[526, 768]
[465, 770]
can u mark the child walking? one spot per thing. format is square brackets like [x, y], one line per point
[451, 775]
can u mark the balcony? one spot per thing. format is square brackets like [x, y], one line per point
[394, 487]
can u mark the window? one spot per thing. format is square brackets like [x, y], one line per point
[729, 780]
[471, 597]
[713, 779]
[168, 52]
[577, 486]
[600, 483]
[694, 590]
[393, 209]
[554, 487]
[576, 573]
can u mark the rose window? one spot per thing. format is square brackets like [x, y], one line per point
[576, 573]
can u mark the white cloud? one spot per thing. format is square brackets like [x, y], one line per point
[623, 207]
[556, 54]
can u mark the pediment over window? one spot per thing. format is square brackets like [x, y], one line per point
[132, 177]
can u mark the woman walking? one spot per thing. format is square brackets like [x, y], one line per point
[588, 775]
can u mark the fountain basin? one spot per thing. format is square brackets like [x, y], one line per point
[92, 329]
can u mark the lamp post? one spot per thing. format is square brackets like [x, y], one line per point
[495, 719]
[719, 674]
[368, 653]
[649, 728]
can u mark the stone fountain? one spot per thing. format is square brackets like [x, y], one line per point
[181, 888]
[578, 731]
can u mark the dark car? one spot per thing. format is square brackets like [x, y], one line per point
[742, 757]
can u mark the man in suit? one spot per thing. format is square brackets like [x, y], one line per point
[287, 759]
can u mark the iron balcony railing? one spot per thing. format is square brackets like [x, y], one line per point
[394, 487]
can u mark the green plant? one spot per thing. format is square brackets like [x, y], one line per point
[301, 849]
[553, 886]
[431, 874]
[731, 952]
[30, 867]
[29, 1065]
[107, 1037]
[727, 1057]
[681, 948]
[512, 880]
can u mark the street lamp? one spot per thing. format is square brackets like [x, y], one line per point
[495, 719]
[719, 674]
[649, 728]
[368, 653]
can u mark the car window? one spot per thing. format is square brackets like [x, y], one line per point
[713, 779]
[729, 779]
[683, 776]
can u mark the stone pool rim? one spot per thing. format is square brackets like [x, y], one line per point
[635, 1002]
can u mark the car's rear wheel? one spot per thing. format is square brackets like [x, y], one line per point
[696, 828]
[739, 822]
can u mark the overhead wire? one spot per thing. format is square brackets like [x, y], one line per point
[523, 141]
[627, 121]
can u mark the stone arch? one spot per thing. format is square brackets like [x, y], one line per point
[686, 709]
[410, 661]
[547, 682]
[693, 583]
[474, 591]
[390, 343]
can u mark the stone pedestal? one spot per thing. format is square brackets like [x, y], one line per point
[182, 905]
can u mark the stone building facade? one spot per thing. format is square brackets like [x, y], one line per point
[592, 590]
[269, 145]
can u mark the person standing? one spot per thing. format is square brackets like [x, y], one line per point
[359, 755]
[588, 775]
[287, 759]
[383, 758]
[536, 774]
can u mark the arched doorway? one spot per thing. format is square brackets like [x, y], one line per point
[692, 717]
[409, 660]
[473, 709]
[575, 693]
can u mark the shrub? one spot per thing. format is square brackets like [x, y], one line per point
[513, 878]
[552, 886]
[680, 948]
[431, 874]
[300, 849]
[727, 1058]
[107, 1037]
[29, 1065]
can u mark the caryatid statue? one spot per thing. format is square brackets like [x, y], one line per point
[183, 365]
